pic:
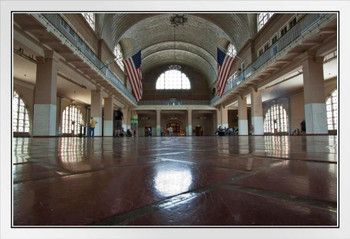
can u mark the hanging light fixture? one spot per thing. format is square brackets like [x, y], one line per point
[176, 20]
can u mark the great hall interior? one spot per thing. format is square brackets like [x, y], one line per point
[275, 165]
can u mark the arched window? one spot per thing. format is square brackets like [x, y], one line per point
[231, 50]
[90, 18]
[276, 120]
[263, 18]
[20, 116]
[71, 120]
[332, 111]
[173, 80]
[119, 56]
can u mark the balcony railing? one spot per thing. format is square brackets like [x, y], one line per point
[174, 102]
[304, 25]
[62, 26]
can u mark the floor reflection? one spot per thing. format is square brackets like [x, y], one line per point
[173, 181]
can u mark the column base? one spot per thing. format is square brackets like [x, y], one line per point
[108, 128]
[258, 125]
[44, 122]
[316, 118]
[243, 127]
[98, 127]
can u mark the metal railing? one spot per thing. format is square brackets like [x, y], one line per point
[62, 26]
[304, 25]
[174, 102]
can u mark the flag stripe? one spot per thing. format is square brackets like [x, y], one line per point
[224, 65]
[226, 71]
[134, 72]
[132, 78]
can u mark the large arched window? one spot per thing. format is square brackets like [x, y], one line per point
[263, 18]
[90, 18]
[231, 50]
[332, 111]
[173, 80]
[119, 56]
[276, 120]
[20, 115]
[71, 120]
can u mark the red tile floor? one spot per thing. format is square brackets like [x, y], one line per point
[213, 181]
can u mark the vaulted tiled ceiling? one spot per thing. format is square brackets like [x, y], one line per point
[195, 42]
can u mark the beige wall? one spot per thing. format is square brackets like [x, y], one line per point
[207, 123]
[297, 112]
[199, 86]
[145, 118]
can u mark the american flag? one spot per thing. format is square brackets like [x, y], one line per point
[225, 64]
[133, 69]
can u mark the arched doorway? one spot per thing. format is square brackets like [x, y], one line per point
[177, 128]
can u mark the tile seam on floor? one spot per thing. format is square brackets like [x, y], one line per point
[307, 160]
[124, 217]
[69, 173]
[325, 205]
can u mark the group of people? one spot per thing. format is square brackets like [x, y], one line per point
[226, 131]
[118, 119]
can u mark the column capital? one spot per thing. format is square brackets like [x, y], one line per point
[311, 55]
[254, 88]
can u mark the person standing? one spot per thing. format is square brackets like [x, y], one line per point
[118, 120]
[134, 122]
[170, 131]
[93, 123]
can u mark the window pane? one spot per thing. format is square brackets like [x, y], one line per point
[173, 79]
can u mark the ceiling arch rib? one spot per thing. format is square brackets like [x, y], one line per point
[184, 46]
[187, 58]
[238, 27]
[158, 29]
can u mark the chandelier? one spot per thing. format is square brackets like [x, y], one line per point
[178, 19]
[174, 67]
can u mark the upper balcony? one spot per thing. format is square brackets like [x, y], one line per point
[64, 40]
[300, 35]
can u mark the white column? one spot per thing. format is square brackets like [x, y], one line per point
[242, 116]
[96, 110]
[257, 112]
[158, 122]
[189, 123]
[108, 117]
[45, 108]
[224, 117]
[126, 118]
[315, 106]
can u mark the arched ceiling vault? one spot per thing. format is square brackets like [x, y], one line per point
[195, 41]
[180, 48]
[181, 57]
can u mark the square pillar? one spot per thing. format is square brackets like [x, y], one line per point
[108, 117]
[96, 110]
[189, 123]
[257, 112]
[45, 97]
[242, 116]
[224, 117]
[314, 99]
[158, 111]
[126, 118]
